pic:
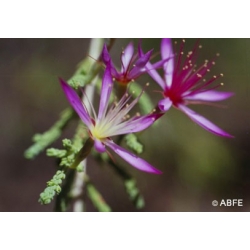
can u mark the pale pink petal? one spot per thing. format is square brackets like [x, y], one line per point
[132, 159]
[135, 125]
[126, 57]
[165, 104]
[76, 103]
[210, 95]
[99, 146]
[167, 52]
[203, 122]
[107, 85]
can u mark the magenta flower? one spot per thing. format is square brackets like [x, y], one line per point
[183, 84]
[132, 65]
[111, 121]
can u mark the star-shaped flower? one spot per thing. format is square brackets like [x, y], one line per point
[183, 84]
[112, 121]
[132, 65]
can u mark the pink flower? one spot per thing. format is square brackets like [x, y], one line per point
[111, 121]
[132, 65]
[183, 84]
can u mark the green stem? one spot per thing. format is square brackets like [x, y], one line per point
[94, 195]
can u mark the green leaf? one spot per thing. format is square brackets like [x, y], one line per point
[133, 143]
[53, 188]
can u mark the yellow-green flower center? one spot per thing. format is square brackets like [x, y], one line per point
[100, 132]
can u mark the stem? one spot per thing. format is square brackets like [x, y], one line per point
[78, 185]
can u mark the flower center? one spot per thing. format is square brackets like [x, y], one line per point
[174, 96]
[99, 132]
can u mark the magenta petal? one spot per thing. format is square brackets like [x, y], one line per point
[151, 71]
[203, 122]
[127, 56]
[210, 95]
[167, 52]
[76, 103]
[107, 85]
[99, 146]
[140, 65]
[105, 55]
[132, 159]
[165, 104]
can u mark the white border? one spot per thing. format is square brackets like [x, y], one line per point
[124, 230]
[121, 19]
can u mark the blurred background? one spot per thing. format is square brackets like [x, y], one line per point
[198, 167]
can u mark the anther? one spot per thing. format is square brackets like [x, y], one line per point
[221, 83]
[217, 54]
[221, 74]
[199, 75]
[200, 46]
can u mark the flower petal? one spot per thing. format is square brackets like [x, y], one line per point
[167, 52]
[105, 55]
[107, 86]
[76, 103]
[135, 125]
[99, 146]
[127, 56]
[139, 65]
[132, 159]
[165, 104]
[210, 95]
[203, 122]
[108, 62]
[152, 72]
